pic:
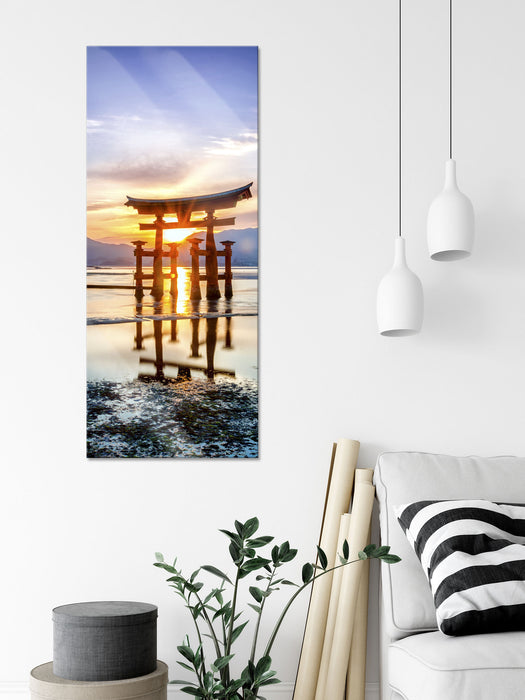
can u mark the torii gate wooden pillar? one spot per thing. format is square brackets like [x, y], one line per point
[183, 207]
[157, 289]
[158, 276]
[212, 267]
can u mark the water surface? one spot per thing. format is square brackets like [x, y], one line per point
[174, 379]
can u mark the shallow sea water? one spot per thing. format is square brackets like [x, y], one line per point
[177, 379]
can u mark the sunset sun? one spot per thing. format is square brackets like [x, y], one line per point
[175, 235]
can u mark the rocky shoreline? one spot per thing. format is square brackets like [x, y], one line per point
[172, 419]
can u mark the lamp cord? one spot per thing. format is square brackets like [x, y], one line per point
[400, 118]
[450, 76]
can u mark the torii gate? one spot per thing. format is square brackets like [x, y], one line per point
[183, 207]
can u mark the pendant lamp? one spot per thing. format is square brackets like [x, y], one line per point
[450, 222]
[400, 294]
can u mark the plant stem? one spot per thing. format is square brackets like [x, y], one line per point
[210, 626]
[205, 615]
[256, 633]
[232, 620]
[223, 632]
[198, 674]
[289, 603]
[195, 621]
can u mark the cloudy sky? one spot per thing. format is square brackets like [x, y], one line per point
[168, 122]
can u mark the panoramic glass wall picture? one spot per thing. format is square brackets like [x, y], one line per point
[172, 252]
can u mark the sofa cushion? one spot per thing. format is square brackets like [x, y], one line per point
[473, 554]
[403, 477]
[477, 667]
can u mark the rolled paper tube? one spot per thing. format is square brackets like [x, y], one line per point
[357, 665]
[342, 640]
[332, 611]
[360, 475]
[364, 475]
[337, 503]
[356, 679]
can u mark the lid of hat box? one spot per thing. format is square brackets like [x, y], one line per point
[104, 640]
[45, 685]
[105, 613]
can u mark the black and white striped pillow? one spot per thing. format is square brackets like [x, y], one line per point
[473, 554]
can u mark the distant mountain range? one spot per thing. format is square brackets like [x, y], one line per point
[244, 252]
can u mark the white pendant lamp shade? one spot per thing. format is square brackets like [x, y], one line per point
[400, 294]
[399, 298]
[450, 223]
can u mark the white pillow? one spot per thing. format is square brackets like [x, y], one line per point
[473, 554]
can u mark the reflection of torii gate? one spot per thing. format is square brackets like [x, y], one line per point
[183, 207]
[184, 369]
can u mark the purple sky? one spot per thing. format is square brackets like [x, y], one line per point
[168, 121]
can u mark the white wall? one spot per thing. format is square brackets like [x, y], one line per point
[75, 530]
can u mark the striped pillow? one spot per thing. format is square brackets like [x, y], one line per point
[473, 554]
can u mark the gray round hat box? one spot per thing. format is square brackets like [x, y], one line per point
[104, 641]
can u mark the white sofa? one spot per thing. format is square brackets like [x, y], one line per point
[418, 662]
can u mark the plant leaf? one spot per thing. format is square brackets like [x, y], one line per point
[322, 557]
[254, 564]
[222, 611]
[159, 557]
[235, 552]
[194, 691]
[256, 593]
[270, 681]
[250, 527]
[237, 631]
[259, 541]
[285, 547]
[213, 570]
[346, 549]
[222, 661]
[275, 555]
[234, 537]
[390, 558]
[198, 657]
[248, 672]
[188, 668]
[289, 555]
[180, 682]
[234, 686]
[166, 567]
[266, 676]
[186, 652]
[263, 666]
[362, 556]
[307, 572]
[193, 587]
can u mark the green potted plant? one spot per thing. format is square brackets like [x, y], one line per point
[216, 616]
